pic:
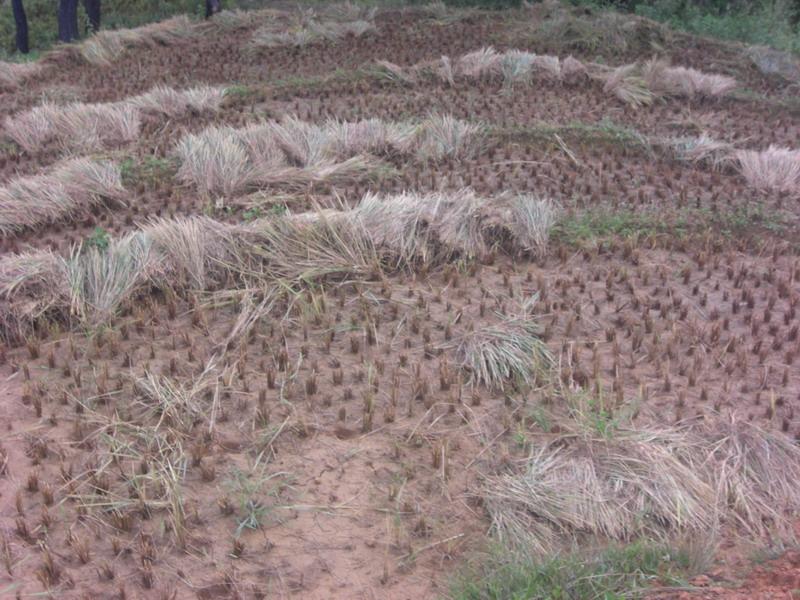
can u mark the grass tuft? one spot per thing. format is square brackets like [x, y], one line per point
[91, 127]
[614, 572]
[101, 280]
[215, 161]
[68, 190]
[440, 136]
[665, 80]
[106, 46]
[12, 74]
[75, 126]
[774, 169]
[510, 351]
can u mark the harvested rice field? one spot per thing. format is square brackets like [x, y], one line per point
[399, 303]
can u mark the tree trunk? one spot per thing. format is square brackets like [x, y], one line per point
[212, 6]
[21, 22]
[92, 8]
[67, 20]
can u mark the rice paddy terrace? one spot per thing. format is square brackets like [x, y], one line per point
[327, 303]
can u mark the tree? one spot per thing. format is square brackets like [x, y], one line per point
[212, 7]
[92, 8]
[21, 22]
[67, 20]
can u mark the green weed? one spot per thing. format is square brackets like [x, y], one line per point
[247, 489]
[614, 573]
[605, 132]
[149, 170]
[580, 229]
[99, 239]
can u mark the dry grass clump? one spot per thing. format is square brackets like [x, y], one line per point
[175, 103]
[75, 126]
[637, 84]
[349, 11]
[309, 29]
[71, 188]
[92, 284]
[519, 66]
[508, 352]
[511, 67]
[627, 85]
[334, 30]
[401, 231]
[215, 161]
[634, 84]
[106, 46]
[370, 136]
[636, 484]
[439, 136]
[101, 280]
[703, 149]
[774, 169]
[618, 482]
[304, 144]
[755, 474]
[265, 37]
[480, 63]
[233, 19]
[298, 179]
[293, 153]
[14, 74]
[395, 72]
[290, 154]
[32, 288]
[311, 247]
[194, 252]
[412, 229]
[85, 127]
[530, 220]
[175, 405]
[664, 80]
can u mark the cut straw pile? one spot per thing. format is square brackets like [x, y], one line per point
[92, 285]
[638, 84]
[511, 67]
[771, 170]
[635, 84]
[91, 127]
[12, 75]
[70, 189]
[222, 161]
[774, 169]
[106, 46]
[652, 483]
[310, 27]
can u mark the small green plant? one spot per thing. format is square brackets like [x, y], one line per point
[595, 414]
[240, 91]
[149, 170]
[278, 210]
[100, 239]
[246, 489]
[611, 574]
[251, 214]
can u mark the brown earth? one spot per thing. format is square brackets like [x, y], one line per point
[692, 318]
